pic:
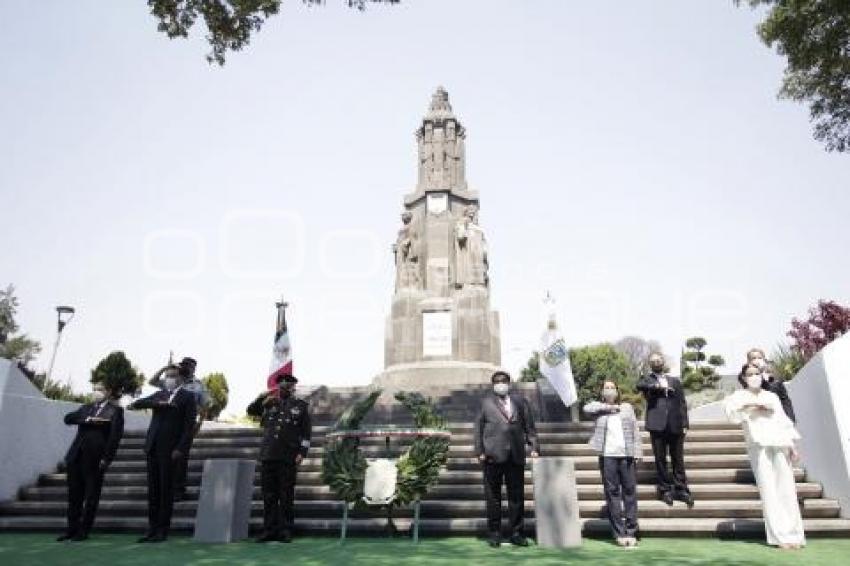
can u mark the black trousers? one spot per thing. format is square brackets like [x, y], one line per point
[162, 470]
[676, 483]
[277, 479]
[513, 476]
[619, 480]
[85, 480]
[181, 477]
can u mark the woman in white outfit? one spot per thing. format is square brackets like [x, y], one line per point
[770, 438]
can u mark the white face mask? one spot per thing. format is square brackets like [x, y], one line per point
[501, 389]
[98, 396]
[609, 394]
[754, 381]
[170, 384]
[759, 363]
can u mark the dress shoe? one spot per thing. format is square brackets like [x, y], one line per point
[686, 498]
[158, 537]
[286, 536]
[266, 537]
[495, 541]
[79, 537]
[667, 498]
[519, 540]
[64, 537]
[147, 538]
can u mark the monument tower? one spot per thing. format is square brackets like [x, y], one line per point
[440, 331]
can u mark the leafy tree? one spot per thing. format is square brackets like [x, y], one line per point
[21, 348]
[699, 370]
[531, 371]
[216, 385]
[814, 36]
[117, 374]
[637, 351]
[592, 365]
[786, 361]
[827, 321]
[229, 23]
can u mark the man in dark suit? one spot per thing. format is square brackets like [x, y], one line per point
[100, 425]
[667, 423]
[757, 358]
[286, 439]
[505, 425]
[167, 442]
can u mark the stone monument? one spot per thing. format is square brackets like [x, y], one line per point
[440, 331]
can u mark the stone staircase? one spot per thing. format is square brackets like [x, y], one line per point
[727, 501]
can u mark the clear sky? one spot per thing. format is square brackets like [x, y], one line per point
[631, 157]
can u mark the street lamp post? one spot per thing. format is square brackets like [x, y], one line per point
[64, 314]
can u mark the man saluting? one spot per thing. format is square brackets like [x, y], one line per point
[286, 439]
[100, 425]
[166, 444]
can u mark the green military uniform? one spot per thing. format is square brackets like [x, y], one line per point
[286, 434]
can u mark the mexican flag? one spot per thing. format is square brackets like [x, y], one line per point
[281, 350]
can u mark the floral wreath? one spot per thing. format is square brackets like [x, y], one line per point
[344, 466]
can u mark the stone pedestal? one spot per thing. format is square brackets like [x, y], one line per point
[556, 509]
[224, 506]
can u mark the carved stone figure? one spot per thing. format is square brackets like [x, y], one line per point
[406, 250]
[471, 264]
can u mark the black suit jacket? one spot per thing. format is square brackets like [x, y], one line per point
[778, 388]
[665, 410]
[500, 438]
[98, 440]
[172, 424]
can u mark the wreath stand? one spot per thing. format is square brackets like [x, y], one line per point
[389, 500]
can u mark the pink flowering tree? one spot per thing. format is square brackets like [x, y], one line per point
[827, 321]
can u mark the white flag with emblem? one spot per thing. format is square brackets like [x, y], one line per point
[555, 360]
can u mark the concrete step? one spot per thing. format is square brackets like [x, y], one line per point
[451, 477]
[582, 457]
[242, 447]
[453, 427]
[465, 438]
[588, 492]
[200, 453]
[445, 508]
[723, 527]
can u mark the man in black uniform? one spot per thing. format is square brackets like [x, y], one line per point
[286, 439]
[100, 425]
[667, 423]
[167, 442]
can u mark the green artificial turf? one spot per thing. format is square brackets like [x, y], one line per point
[41, 549]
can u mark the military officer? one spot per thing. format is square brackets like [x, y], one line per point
[286, 438]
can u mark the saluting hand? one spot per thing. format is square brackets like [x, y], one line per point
[298, 459]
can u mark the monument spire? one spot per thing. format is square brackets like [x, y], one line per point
[440, 329]
[442, 153]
